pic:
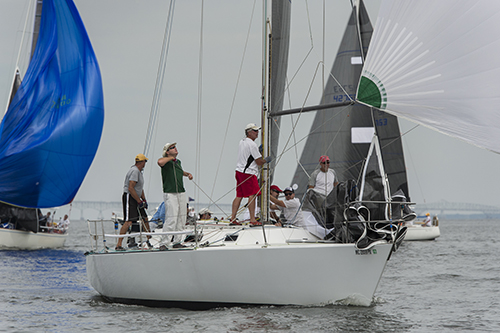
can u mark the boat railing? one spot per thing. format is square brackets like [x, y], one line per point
[100, 235]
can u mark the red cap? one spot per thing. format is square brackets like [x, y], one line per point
[324, 158]
[276, 188]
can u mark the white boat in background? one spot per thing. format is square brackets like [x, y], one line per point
[52, 127]
[27, 240]
[238, 265]
[418, 231]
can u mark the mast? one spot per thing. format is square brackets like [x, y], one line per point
[266, 135]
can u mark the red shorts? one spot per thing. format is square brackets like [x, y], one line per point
[246, 185]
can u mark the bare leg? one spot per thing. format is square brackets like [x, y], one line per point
[236, 206]
[123, 231]
[251, 208]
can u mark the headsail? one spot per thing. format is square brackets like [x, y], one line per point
[51, 131]
[333, 129]
[442, 71]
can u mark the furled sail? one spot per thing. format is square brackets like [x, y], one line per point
[280, 32]
[333, 131]
[51, 131]
[441, 71]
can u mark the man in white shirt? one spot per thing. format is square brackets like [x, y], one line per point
[427, 221]
[247, 168]
[323, 180]
[290, 207]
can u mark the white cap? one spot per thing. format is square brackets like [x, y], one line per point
[166, 147]
[204, 211]
[252, 126]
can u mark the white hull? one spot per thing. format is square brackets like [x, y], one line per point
[27, 240]
[243, 272]
[417, 232]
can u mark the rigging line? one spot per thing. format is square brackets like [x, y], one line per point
[289, 82]
[209, 197]
[200, 94]
[312, 132]
[323, 69]
[295, 137]
[400, 136]
[159, 78]
[300, 113]
[21, 51]
[234, 97]
[416, 174]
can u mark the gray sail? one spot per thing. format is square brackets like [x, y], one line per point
[36, 30]
[36, 26]
[331, 130]
[281, 11]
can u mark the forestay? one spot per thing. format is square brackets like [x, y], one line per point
[436, 63]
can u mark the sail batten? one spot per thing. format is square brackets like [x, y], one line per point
[51, 131]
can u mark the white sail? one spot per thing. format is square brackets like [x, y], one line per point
[436, 63]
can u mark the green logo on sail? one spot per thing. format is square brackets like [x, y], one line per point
[371, 91]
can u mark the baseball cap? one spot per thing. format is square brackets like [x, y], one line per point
[167, 147]
[252, 126]
[204, 211]
[140, 158]
[324, 158]
[289, 189]
[276, 188]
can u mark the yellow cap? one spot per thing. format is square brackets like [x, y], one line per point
[140, 158]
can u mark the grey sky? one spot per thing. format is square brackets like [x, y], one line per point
[127, 37]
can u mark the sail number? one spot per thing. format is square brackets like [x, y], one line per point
[365, 252]
[61, 102]
[343, 98]
[381, 122]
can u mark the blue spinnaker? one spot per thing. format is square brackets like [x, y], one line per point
[51, 131]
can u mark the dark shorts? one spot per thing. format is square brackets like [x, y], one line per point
[131, 209]
[246, 185]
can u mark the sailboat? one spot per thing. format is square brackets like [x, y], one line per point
[237, 265]
[52, 127]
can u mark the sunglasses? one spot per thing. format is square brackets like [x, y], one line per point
[288, 193]
[327, 162]
[172, 148]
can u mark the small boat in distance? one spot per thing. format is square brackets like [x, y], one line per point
[417, 231]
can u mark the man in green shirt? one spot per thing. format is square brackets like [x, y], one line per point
[174, 195]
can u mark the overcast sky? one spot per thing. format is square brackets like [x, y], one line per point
[127, 36]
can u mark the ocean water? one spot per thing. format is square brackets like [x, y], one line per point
[447, 285]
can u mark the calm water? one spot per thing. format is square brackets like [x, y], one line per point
[451, 284]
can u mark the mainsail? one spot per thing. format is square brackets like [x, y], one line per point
[441, 71]
[51, 131]
[281, 11]
[333, 130]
